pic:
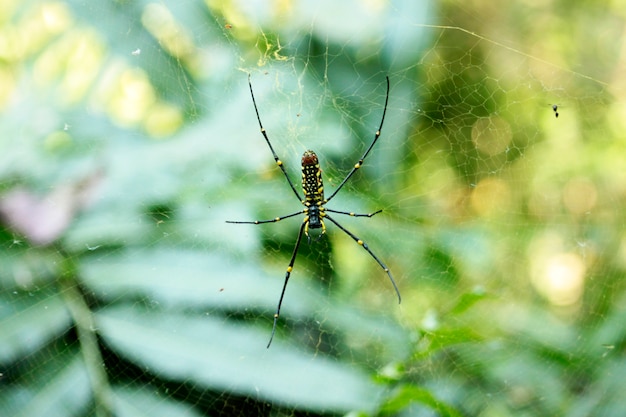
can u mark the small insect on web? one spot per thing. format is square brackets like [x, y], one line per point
[314, 202]
[555, 109]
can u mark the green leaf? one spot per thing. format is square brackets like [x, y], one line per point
[208, 352]
[132, 401]
[467, 300]
[185, 278]
[28, 321]
[407, 394]
[60, 389]
[445, 338]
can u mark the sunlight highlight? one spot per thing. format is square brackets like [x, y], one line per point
[558, 275]
[491, 135]
[175, 38]
[55, 16]
[580, 195]
[163, 120]
[491, 196]
[131, 97]
[563, 280]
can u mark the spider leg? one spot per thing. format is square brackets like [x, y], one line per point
[276, 158]
[287, 275]
[364, 245]
[349, 213]
[360, 162]
[277, 219]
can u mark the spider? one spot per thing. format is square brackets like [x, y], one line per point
[314, 203]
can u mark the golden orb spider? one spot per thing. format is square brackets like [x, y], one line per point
[314, 202]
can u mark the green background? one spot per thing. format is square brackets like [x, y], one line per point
[128, 138]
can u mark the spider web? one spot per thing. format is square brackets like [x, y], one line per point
[130, 138]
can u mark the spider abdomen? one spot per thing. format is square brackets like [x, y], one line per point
[312, 183]
[315, 218]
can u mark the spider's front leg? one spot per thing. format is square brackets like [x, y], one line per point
[274, 220]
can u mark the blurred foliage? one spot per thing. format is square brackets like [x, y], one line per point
[129, 137]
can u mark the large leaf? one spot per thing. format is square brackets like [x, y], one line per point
[28, 321]
[206, 352]
[58, 388]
